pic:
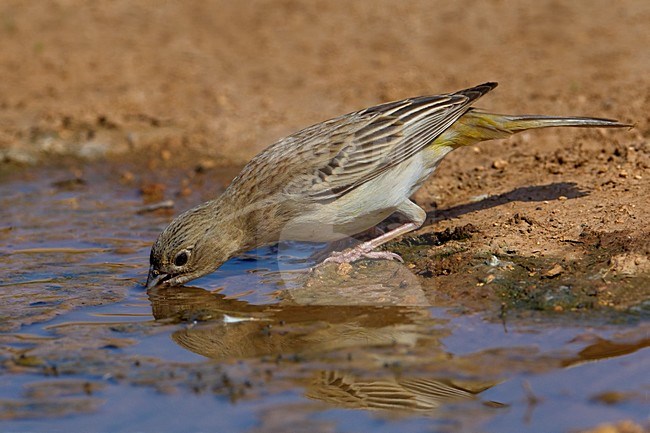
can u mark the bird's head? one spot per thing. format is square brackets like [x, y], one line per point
[194, 244]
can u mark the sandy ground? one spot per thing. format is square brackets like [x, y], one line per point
[177, 85]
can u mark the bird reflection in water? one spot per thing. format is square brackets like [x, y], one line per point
[359, 342]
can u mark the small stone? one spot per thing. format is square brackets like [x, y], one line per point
[562, 198]
[127, 176]
[556, 270]
[493, 261]
[205, 165]
[499, 164]
[479, 197]
[344, 269]
[623, 174]
[489, 279]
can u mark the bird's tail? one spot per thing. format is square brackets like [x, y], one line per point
[522, 123]
[475, 126]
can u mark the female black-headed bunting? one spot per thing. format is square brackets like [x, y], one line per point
[336, 179]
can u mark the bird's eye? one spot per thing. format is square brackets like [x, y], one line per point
[181, 258]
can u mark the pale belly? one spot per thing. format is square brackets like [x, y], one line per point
[364, 207]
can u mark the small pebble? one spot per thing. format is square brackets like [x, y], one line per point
[344, 269]
[556, 270]
[489, 279]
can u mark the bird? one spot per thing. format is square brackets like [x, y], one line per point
[336, 179]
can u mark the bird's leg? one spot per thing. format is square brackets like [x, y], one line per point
[335, 246]
[366, 249]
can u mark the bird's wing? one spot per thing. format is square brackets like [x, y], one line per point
[418, 394]
[341, 154]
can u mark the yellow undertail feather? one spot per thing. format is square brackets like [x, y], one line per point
[475, 126]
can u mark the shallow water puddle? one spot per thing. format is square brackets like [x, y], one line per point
[261, 346]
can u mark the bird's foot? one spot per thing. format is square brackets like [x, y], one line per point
[361, 251]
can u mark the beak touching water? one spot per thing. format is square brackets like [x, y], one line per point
[156, 278]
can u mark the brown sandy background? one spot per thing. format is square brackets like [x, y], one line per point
[227, 79]
[174, 84]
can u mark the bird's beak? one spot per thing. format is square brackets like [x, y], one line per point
[155, 278]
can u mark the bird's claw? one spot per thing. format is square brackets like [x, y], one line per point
[357, 253]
